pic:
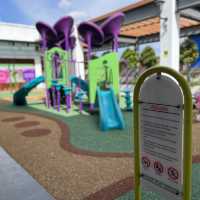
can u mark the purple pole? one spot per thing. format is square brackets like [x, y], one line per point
[66, 42]
[91, 107]
[54, 96]
[89, 40]
[68, 102]
[58, 100]
[115, 43]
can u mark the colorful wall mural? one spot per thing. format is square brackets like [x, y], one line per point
[16, 74]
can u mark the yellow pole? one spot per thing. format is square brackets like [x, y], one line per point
[187, 130]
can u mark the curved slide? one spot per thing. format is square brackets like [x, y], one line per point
[110, 114]
[19, 97]
[80, 82]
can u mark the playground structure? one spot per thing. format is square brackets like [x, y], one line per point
[63, 87]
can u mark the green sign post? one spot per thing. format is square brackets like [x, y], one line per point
[163, 134]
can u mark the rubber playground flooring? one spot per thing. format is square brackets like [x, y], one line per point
[71, 158]
[36, 95]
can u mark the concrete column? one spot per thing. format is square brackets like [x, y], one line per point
[38, 69]
[169, 35]
[78, 56]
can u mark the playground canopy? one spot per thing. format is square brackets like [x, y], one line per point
[142, 20]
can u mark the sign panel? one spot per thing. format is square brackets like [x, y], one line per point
[161, 119]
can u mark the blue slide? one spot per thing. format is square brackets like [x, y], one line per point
[19, 97]
[110, 114]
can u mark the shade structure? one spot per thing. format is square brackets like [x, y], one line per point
[111, 28]
[64, 27]
[48, 34]
[91, 34]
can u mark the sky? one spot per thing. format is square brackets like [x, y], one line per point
[31, 11]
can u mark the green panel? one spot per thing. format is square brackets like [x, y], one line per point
[48, 66]
[97, 73]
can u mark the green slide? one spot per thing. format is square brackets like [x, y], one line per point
[19, 98]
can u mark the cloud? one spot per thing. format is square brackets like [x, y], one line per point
[78, 15]
[51, 10]
[38, 10]
[96, 8]
[64, 3]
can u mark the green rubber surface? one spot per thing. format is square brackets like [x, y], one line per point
[153, 196]
[92, 138]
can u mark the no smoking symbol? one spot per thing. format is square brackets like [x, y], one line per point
[158, 167]
[146, 162]
[173, 173]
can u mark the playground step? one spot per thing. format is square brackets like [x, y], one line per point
[16, 183]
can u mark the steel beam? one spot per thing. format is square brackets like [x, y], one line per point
[184, 4]
[191, 13]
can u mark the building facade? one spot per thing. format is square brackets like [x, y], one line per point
[19, 55]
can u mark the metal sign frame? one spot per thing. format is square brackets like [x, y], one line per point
[187, 129]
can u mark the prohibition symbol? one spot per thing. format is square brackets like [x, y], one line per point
[146, 162]
[173, 173]
[158, 167]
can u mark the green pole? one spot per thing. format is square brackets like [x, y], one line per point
[187, 130]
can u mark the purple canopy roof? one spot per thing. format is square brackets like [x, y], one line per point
[59, 35]
[48, 34]
[89, 29]
[111, 27]
[64, 27]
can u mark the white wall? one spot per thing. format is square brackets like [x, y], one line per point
[18, 32]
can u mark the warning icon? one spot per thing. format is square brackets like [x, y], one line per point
[146, 162]
[173, 173]
[158, 167]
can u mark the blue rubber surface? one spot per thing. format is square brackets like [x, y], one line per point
[110, 114]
